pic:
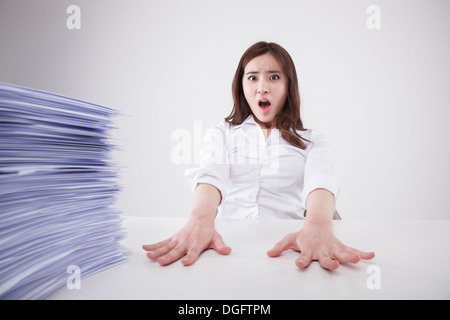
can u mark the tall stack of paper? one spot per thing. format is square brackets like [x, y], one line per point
[57, 192]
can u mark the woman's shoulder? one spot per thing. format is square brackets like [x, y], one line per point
[220, 129]
[222, 126]
[312, 134]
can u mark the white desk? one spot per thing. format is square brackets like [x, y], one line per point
[412, 256]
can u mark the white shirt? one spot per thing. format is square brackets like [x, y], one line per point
[263, 178]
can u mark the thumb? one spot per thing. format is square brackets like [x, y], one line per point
[278, 248]
[218, 245]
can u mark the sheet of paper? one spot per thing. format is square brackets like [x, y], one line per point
[57, 191]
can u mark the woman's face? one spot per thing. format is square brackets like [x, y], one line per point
[265, 88]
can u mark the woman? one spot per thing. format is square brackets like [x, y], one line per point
[262, 163]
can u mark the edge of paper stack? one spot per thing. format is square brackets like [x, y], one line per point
[58, 187]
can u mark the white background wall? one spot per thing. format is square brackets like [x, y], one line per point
[381, 95]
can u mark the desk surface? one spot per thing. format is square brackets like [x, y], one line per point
[411, 262]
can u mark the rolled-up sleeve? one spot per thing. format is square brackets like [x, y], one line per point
[319, 167]
[214, 166]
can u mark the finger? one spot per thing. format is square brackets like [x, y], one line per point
[303, 261]
[328, 263]
[149, 247]
[191, 256]
[283, 245]
[362, 254]
[367, 255]
[218, 245]
[155, 254]
[347, 257]
[175, 254]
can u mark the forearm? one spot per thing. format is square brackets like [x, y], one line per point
[206, 200]
[320, 206]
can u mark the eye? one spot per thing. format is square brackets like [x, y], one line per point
[251, 78]
[274, 77]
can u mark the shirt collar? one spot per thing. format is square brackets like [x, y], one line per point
[250, 120]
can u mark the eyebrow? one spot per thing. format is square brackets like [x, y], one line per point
[270, 71]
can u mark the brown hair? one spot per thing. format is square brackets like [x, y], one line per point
[288, 119]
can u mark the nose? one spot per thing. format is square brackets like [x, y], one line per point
[263, 86]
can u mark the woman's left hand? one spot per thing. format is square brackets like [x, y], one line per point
[315, 241]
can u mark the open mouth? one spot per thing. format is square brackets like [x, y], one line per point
[264, 104]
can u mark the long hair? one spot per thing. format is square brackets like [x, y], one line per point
[288, 119]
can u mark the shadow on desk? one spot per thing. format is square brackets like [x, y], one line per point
[336, 215]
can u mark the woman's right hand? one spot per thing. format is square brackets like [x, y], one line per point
[195, 237]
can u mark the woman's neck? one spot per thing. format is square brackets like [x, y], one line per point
[265, 125]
